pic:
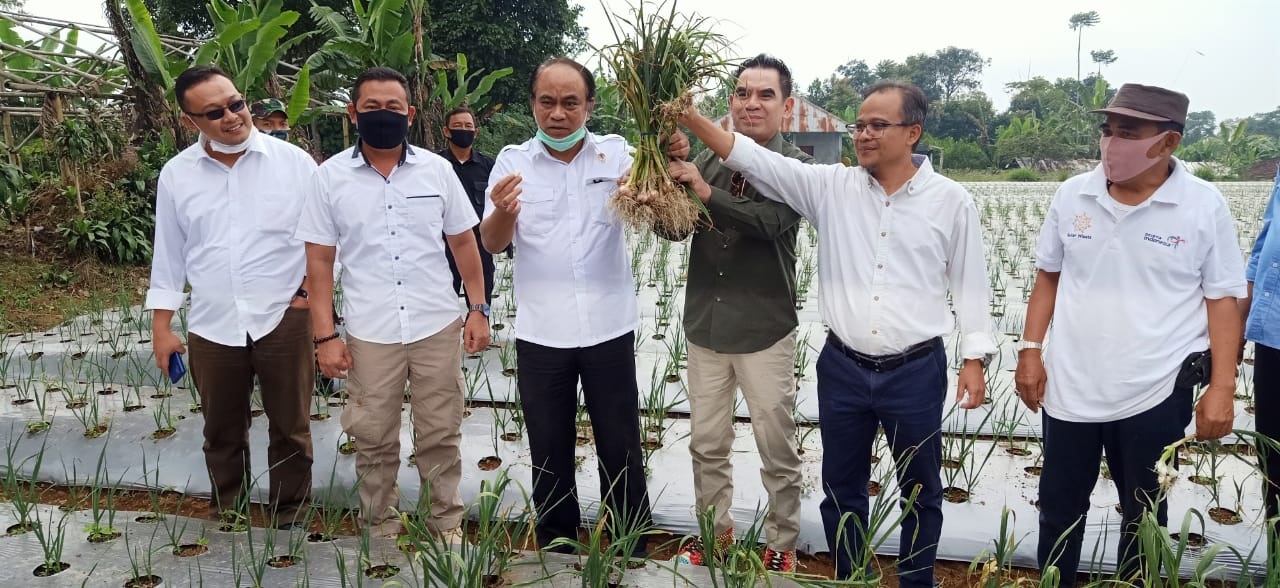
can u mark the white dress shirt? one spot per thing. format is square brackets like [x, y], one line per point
[885, 262]
[228, 231]
[1131, 292]
[573, 281]
[396, 283]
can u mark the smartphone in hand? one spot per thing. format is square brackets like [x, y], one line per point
[176, 367]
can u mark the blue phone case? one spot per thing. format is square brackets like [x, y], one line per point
[176, 368]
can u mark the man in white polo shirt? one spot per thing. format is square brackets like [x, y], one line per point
[894, 237]
[1139, 271]
[225, 213]
[577, 301]
[385, 204]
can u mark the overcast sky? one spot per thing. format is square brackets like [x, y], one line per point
[1225, 55]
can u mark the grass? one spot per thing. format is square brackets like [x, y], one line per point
[37, 292]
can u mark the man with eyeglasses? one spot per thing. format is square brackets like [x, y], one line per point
[384, 204]
[740, 322]
[894, 237]
[225, 213]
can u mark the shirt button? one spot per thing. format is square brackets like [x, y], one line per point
[725, 246]
[879, 266]
[397, 258]
[1275, 264]
[722, 274]
[886, 204]
[397, 283]
[1266, 294]
[717, 299]
[884, 234]
[401, 308]
[875, 332]
[388, 207]
[876, 298]
[393, 232]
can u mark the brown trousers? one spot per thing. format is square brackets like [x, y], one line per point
[284, 364]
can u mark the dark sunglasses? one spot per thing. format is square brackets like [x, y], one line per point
[218, 113]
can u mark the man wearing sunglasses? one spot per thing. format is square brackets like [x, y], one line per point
[894, 237]
[225, 213]
[740, 321]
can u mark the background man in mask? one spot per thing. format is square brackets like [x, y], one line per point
[269, 117]
[384, 204]
[225, 213]
[1139, 271]
[472, 168]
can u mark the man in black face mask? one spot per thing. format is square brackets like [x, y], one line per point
[384, 205]
[473, 169]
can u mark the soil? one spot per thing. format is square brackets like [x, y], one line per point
[1224, 516]
[144, 582]
[1033, 470]
[490, 463]
[511, 436]
[190, 549]
[281, 561]
[103, 537]
[873, 488]
[45, 570]
[95, 432]
[1018, 451]
[955, 495]
[382, 571]
[1203, 480]
[1193, 539]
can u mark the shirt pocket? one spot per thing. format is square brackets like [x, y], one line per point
[598, 192]
[276, 212]
[538, 209]
[424, 213]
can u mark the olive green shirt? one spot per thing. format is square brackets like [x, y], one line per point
[741, 294]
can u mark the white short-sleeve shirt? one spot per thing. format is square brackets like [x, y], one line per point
[1131, 293]
[396, 283]
[573, 283]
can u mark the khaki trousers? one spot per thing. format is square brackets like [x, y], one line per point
[283, 362]
[768, 385]
[376, 385]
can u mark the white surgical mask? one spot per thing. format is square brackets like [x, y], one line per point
[225, 148]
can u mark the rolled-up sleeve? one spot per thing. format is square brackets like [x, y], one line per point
[168, 258]
[802, 186]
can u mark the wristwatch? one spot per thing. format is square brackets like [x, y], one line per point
[300, 293]
[1030, 345]
[480, 308]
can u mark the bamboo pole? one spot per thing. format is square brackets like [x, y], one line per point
[11, 152]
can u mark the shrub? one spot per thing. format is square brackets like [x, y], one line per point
[1022, 175]
[1206, 173]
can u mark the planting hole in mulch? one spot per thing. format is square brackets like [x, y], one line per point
[133, 407]
[78, 355]
[46, 570]
[1224, 516]
[161, 395]
[99, 537]
[1019, 451]
[875, 459]
[492, 581]
[651, 444]
[490, 463]
[673, 378]
[955, 495]
[320, 417]
[233, 527]
[509, 372]
[1032, 470]
[953, 464]
[20, 528]
[190, 549]
[1193, 539]
[381, 572]
[149, 519]
[347, 448]
[1203, 480]
[582, 440]
[164, 433]
[95, 432]
[281, 561]
[1249, 409]
[659, 336]
[1241, 449]
[873, 488]
[119, 354]
[106, 391]
[74, 404]
[511, 436]
[497, 327]
[27, 341]
[337, 402]
[22, 401]
[319, 538]
[33, 357]
[37, 427]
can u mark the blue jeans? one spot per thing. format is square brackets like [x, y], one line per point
[907, 401]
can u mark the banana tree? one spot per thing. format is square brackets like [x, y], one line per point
[16, 199]
[249, 44]
[476, 97]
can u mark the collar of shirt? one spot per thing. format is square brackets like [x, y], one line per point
[358, 158]
[475, 157]
[918, 182]
[1170, 192]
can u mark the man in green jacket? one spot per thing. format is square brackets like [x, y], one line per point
[740, 321]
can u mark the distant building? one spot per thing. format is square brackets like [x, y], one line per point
[811, 128]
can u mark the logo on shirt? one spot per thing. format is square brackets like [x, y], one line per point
[1081, 223]
[1171, 241]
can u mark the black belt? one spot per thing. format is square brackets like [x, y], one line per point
[884, 363]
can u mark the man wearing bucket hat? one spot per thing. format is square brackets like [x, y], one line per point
[270, 117]
[1139, 270]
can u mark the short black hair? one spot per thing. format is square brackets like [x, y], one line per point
[766, 61]
[378, 74]
[587, 78]
[915, 105]
[448, 116]
[194, 76]
[1169, 125]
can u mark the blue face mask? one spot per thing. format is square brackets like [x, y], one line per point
[564, 144]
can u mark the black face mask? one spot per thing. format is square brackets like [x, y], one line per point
[382, 129]
[282, 135]
[462, 137]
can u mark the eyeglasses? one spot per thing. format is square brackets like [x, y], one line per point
[875, 129]
[218, 113]
[737, 184]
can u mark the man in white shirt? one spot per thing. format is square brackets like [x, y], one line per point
[225, 213]
[1139, 271]
[893, 238]
[577, 302]
[384, 204]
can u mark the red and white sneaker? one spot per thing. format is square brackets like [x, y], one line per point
[693, 553]
[779, 561]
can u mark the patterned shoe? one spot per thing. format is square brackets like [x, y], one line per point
[779, 561]
[694, 554]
